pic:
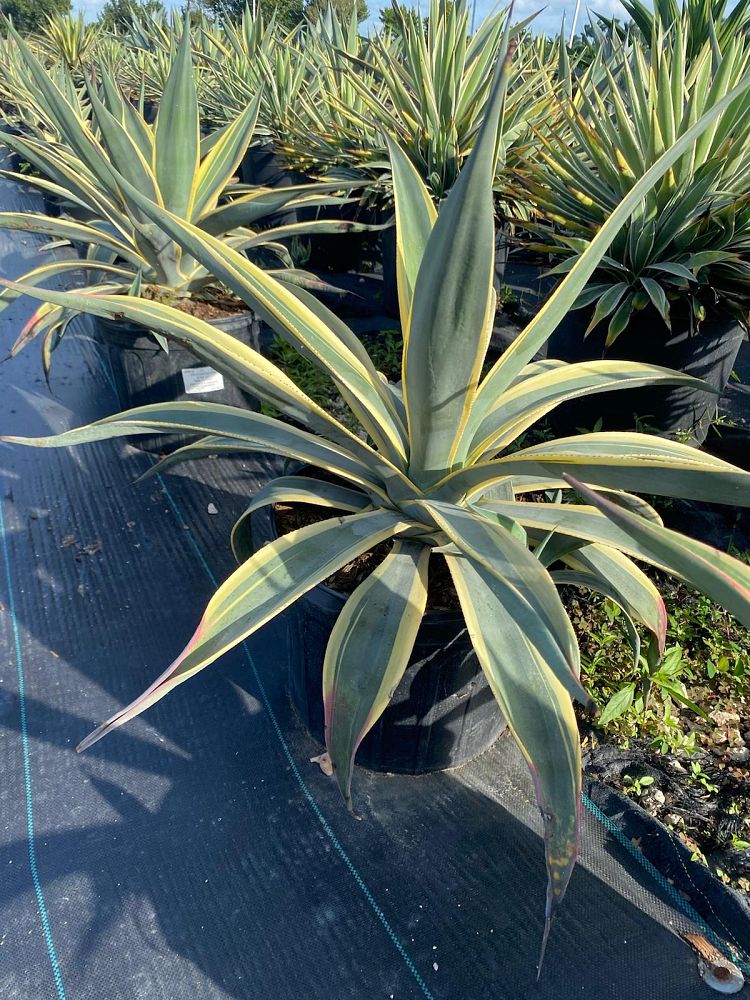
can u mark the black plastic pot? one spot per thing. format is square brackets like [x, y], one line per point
[502, 249]
[390, 281]
[709, 354]
[262, 165]
[442, 714]
[143, 372]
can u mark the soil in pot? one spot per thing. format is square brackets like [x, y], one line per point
[144, 373]
[442, 713]
[678, 412]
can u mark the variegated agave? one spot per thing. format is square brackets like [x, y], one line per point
[168, 163]
[687, 240]
[437, 475]
[69, 39]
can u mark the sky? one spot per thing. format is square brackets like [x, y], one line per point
[548, 20]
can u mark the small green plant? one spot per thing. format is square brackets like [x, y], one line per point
[699, 777]
[506, 297]
[635, 786]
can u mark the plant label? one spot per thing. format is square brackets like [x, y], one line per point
[200, 380]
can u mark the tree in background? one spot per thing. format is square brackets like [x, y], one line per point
[315, 8]
[390, 18]
[289, 13]
[118, 14]
[31, 15]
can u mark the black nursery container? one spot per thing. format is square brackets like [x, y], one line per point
[442, 714]
[709, 354]
[143, 372]
[263, 166]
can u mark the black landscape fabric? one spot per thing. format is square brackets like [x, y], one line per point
[197, 852]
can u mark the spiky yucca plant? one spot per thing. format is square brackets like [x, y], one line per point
[438, 478]
[21, 103]
[700, 20]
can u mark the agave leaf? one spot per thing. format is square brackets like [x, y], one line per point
[29, 222]
[721, 577]
[539, 713]
[177, 132]
[415, 217]
[246, 209]
[223, 160]
[124, 152]
[526, 402]
[452, 305]
[627, 461]
[260, 589]
[524, 587]
[254, 431]
[47, 271]
[243, 365]
[658, 297]
[382, 616]
[634, 591]
[590, 581]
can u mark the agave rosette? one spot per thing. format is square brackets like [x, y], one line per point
[438, 476]
[70, 40]
[688, 237]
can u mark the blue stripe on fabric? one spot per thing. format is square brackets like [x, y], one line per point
[31, 843]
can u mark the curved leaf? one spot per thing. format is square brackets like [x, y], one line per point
[616, 460]
[251, 431]
[721, 577]
[539, 713]
[528, 401]
[634, 591]
[523, 585]
[270, 581]
[295, 489]
[382, 616]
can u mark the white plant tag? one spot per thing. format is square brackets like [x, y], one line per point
[200, 380]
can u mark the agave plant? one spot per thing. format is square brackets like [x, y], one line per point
[427, 88]
[439, 478]
[233, 68]
[329, 123]
[69, 39]
[688, 237]
[21, 103]
[168, 163]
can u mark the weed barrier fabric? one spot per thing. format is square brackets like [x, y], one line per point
[197, 852]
